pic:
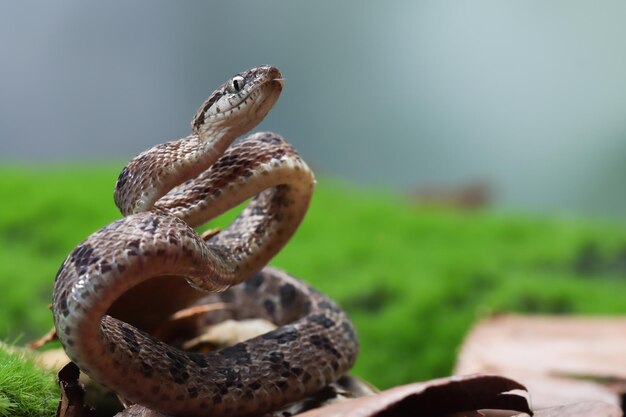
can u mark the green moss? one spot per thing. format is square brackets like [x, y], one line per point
[413, 280]
[25, 390]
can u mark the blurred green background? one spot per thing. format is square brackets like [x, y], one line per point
[413, 279]
[402, 109]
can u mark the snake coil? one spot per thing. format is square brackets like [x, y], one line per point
[107, 288]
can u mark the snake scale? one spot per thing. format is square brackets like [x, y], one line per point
[115, 284]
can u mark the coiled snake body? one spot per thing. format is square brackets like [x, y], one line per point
[165, 192]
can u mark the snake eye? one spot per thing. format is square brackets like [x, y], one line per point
[237, 83]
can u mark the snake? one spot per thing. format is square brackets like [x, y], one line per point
[136, 271]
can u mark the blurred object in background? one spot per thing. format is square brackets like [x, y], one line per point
[528, 95]
[472, 196]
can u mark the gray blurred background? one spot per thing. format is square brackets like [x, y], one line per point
[527, 97]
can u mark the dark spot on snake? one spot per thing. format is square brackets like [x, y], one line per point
[69, 342]
[282, 335]
[322, 320]
[199, 120]
[121, 268]
[131, 252]
[287, 295]
[257, 210]
[63, 305]
[82, 255]
[272, 140]
[122, 178]
[297, 371]
[112, 346]
[198, 359]
[349, 330]
[177, 359]
[260, 231]
[227, 378]
[160, 252]
[146, 370]
[173, 240]
[248, 395]
[323, 342]
[325, 305]
[193, 392]
[255, 385]
[306, 377]
[253, 283]
[335, 365]
[134, 243]
[178, 374]
[237, 353]
[217, 399]
[282, 384]
[270, 307]
[276, 357]
[129, 337]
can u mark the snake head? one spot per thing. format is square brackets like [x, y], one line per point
[240, 103]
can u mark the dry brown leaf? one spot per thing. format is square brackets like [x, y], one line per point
[439, 398]
[185, 321]
[72, 393]
[139, 411]
[50, 336]
[585, 409]
[228, 333]
[562, 360]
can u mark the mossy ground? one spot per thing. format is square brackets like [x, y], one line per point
[413, 280]
[24, 389]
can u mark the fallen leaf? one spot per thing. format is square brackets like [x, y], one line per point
[437, 398]
[50, 336]
[562, 360]
[72, 394]
[139, 411]
[228, 333]
[584, 409]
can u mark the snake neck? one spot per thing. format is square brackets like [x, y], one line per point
[153, 173]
